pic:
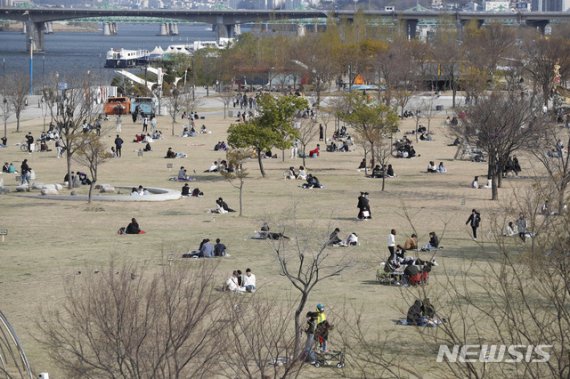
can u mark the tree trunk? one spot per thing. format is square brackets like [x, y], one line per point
[172, 127]
[297, 347]
[18, 122]
[494, 188]
[241, 197]
[383, 180]
[372, 150]
[282, 155]
[304, 155]
[260, 162]
[90, 191]
[68, 161]
[365, 163]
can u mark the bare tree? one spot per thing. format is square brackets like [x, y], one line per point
[174, 106]
[557, 165]
[308, 130]
[383, 152]
[305, 262]
[260, 342]
[92, 153]
[125, 323]
[16, 87]
[226, 96]
[500, 125]
[236, 159]
[70, 109]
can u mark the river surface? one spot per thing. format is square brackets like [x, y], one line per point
[75, 53]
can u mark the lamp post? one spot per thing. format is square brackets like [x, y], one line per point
[5, 117]
[31, 66]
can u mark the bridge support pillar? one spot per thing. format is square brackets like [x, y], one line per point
[114, 29]
[301, 30]
[224, 30]
[410, 27]
[35, 33]
[538, 24]
[237, 29]
[48, 27]
[163, 31]
[173, 29]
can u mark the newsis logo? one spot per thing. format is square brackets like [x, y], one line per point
[494, 353]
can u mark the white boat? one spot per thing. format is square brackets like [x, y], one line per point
[123, 58]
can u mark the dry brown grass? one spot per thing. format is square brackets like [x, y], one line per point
[51, 241]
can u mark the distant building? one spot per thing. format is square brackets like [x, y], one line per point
[550, 5]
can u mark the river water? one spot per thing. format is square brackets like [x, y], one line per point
[70, 53]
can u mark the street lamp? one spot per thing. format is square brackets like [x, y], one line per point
[31, 66]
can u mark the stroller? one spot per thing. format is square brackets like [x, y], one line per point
[329, 358]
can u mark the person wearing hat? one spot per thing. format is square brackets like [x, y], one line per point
[323, 327]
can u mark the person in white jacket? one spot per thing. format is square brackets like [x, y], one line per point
[249, 281]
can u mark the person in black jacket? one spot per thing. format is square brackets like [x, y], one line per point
[414, 316]
[133, 227]
[363, 206]
[474, 220]
[222, 204]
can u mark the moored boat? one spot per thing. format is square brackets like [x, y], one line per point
[123, 58]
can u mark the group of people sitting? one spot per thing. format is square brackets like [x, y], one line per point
[239, 282]
[400, 269]
[266, 233]
[421, 314]
[342, 146]
[335, 240]
[140, 191]
[432, 168]
[381, 171]
[190, 131]
[208, 250]
[292, 174]
[220, 166]
[404, 148]
[222, 207]
[221, 145]
[9, 168]
[171, 154]
[186, 191]
[77, 179]
[519, 228]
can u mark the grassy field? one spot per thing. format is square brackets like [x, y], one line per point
[49, 242]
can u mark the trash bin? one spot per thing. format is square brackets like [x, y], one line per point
[439, 108]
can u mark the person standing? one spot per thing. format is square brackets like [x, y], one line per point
[474, 220]
[25, 172]
[321, 320]
[29, 141]
[521, 227]
[364, 206]
[392, 242]
[145, 123]
[118, 145]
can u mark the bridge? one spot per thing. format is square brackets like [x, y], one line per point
[224, 21]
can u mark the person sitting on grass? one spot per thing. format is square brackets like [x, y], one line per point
[510, 230]
[315, 152]
[291, 174]
[334, 239]
[185, 190]
[433, 243]
[352, 239]
[223, 206]
[133, 227]
[232, 284]
[249, 281]
[411, 243]
[312, 182]
[302, 174]
[475, 183]
[170, 154]
[414, 316]
[431, 167]
[441, 168]
[377, 171]
[219, 249]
